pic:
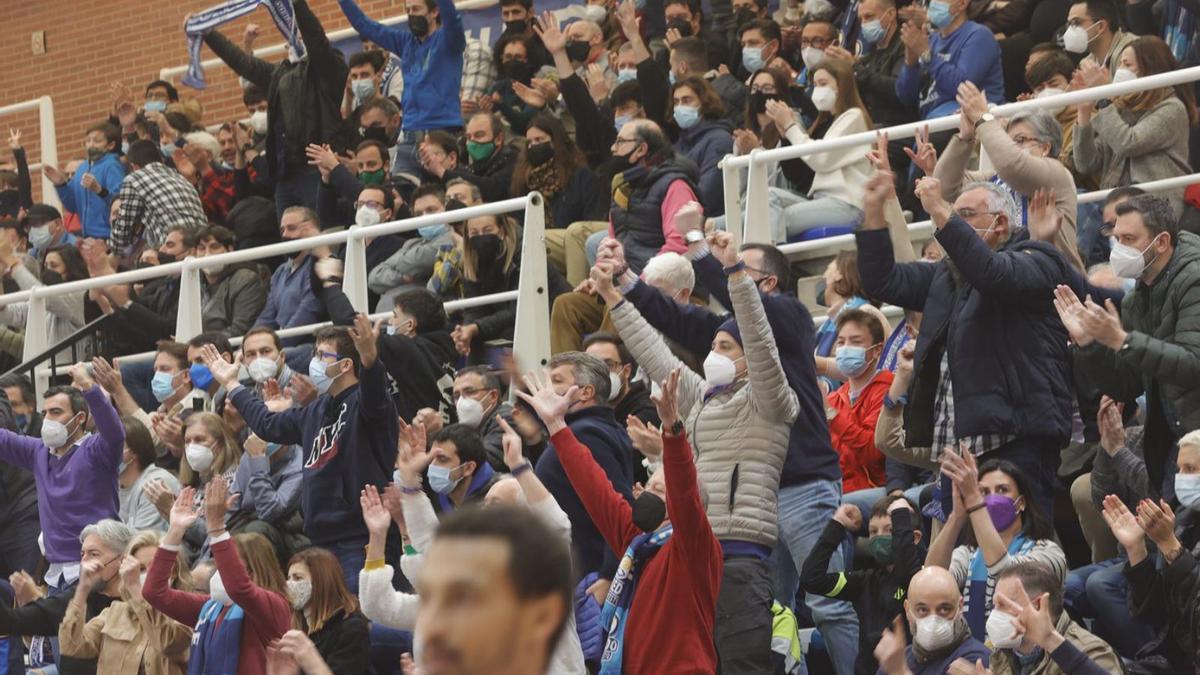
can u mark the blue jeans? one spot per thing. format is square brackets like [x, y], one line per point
[1099, 591]
[298, 189]
[804, 510]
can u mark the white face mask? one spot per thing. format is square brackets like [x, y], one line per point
[1123, 75]
[933, 632]
[1127, 262]
[1001, 632]
[719, 370]
[199, 457]
[262, 369]
[216, 589]
[258, 122]
[55, 434]
[824, 98]
[812, 57]
[470, 411]
[300, 592]
[1076, 39]
[614, 386]
[366, 216]
[1051, 91]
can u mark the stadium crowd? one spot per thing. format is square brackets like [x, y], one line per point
[1003, 479]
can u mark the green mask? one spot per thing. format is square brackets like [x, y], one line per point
[881, 548]
[372, 177]
[479, 151]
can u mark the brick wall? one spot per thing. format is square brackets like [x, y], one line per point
[90, 45]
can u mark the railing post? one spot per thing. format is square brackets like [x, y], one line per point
[189, 321]
[49, 149]
[531, 332]
[354, 281]
[36, 340]
[758, 226]
[733, 198]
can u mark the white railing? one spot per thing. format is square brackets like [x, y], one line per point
[49, 141]
[753, 224]
[531, 334]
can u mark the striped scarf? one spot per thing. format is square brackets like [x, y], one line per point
[615, 615]
[201, 23]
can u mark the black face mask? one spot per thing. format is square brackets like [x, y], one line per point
[539, 154]
[516, 26]
[378, 134]
[164, 258]
[649, 511]
[615, 165]
[487, 248]
[578, 50]
[743, 16]
[684, 28]
[51, 278]
[517, 71]
[419, 25]
[758, 102]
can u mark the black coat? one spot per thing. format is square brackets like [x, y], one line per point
[1010, 363]
[492, 175]
[344, 642]
[43, 616]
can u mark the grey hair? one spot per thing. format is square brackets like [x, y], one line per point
[205, 140]
[476, 195]
[586, 369]
[1190, 439]
[1045, 126]
[669, 272]
[998, 201]
[114, 534]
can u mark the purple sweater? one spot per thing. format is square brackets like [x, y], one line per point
[80, 487]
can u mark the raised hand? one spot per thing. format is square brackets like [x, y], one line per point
[81, 379]
[222, 371]
[412, 456]
[551, 406]
[929, 190]
[530, 95]
[131, 575]
[781, 114]
[879, 189]
[376, 517]
[646, 438]
[108, 376]
[905, 358]
[217, 502]
[275, 398]
[972, 101]
[365, 337]
[1103, 323]
[57, 177]
[322, 157]
[1034, 623]
[724, 248]
[89, 576]
[627, 16]
[744, 141]
[667, 402]
[393, 501]
[1125, 528]
[878, 154]
[159, 495]
[960, 468]
[25, 589]
[890, 650]
[925, 158]
[1158, 521]
[14, 139]
[547, 29]
[1044, 218]
[184, 511]
[1112, 426]
[849, 516]
[1070, 312]
[689, 217]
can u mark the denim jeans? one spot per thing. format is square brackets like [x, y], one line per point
[804, 510]
[1099, 591]
[297, 189]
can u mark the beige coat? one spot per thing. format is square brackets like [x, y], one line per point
[1003, 661]
[126, 636]
[739, 434]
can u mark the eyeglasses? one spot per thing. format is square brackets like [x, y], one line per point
[819, 43]
[378, 206]
[965, 213]
[1025, 140]
[763, 90]
[619, 141]
[327, 355]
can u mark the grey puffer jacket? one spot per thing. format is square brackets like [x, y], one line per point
[740, 433]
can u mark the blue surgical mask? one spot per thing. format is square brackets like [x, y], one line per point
[273, 448]
[155, 106]
[626, 75]
[440, 480]
[362, 88]
[686, 116]
[939, 14]
[161, 387]
[168, 149]
[21, 421]
[851, 360]
[872, 32]
[1187, 489]
[432, 231]
[1128, 285]
[618, 122]
[672, 77]
[316, 373]
[752, 59]
[201, 376]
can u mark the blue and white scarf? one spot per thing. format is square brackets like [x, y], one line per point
[201, 22]
[216, 648]
[980, 586]
[615, 614]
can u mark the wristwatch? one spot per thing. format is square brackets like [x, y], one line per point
[985, 117]
[694, 236]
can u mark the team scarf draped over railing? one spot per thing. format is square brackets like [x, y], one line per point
[200, 23]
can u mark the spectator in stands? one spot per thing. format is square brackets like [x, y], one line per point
[478, 401]
[671, 558]
[430, 48]
[303, 97]
[1094, 29]
[44, 225]
[552, 165]
[172, 379]
[1147, 347]
[204, 386]
[651, 184]
[201, 165]
[379, 119]
[268, 478]
[1026, 375]
[1136, 138]
[687, 18]
[629, 398]
[935, 615]
[351, 419]
[211, 451]
[833, 199]
[760, 41]
[1025, 156]
[438, 153]
[128, 636]
[64, 313]
[491, 161]
[247, 607]
[877, 593]
[17, 193]
[1038, 587]
[759, 130]
[365, 80]
[744, 387]
[291, 299]
[19, 523]
[522, 572]
[854, 408]
[234, 293]
[338, 190]
[90, 192]
[458, 471]
[262, 355]
[19, 391]
[412, 265]
[327, 612]
[958, 51]
[103, 544]
[518, 66]
[703, 136]
[1050, 74]
[137, 468]
[75, 472]
[1009, 528]
[840, 289]
[878, 65]
[489, 263]
[465, 193]
[154, 196]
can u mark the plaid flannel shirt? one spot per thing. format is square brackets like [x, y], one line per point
[156, 197]
[217, 193]
[943, 419]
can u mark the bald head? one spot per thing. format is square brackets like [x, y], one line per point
[506, 492]
[584, 30]
[933, 591]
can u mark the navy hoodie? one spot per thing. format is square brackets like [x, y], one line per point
[810, 455]
[348, 440]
